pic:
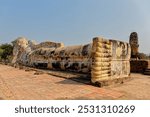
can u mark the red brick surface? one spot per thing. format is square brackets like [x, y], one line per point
[19, 84]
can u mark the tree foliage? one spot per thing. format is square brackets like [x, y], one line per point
[6, 51]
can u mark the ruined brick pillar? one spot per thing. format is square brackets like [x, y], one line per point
[134, 45]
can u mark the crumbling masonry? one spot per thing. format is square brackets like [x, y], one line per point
[102, 59]
[134, 45]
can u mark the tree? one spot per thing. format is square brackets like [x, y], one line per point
[1, 52]
[6, 51]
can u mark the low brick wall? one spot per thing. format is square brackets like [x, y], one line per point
[139, 66]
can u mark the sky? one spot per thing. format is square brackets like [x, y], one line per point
[75, 22]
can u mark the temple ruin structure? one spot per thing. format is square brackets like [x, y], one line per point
[102, 59]
[137, 63]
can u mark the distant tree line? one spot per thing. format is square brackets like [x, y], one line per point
[6, 52]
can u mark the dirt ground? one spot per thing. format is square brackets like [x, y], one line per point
[18, 84]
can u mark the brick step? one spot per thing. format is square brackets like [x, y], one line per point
[147, 72]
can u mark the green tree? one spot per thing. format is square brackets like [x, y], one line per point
[1, 52]
[6, 51]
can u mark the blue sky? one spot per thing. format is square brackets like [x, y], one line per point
[75, 21]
